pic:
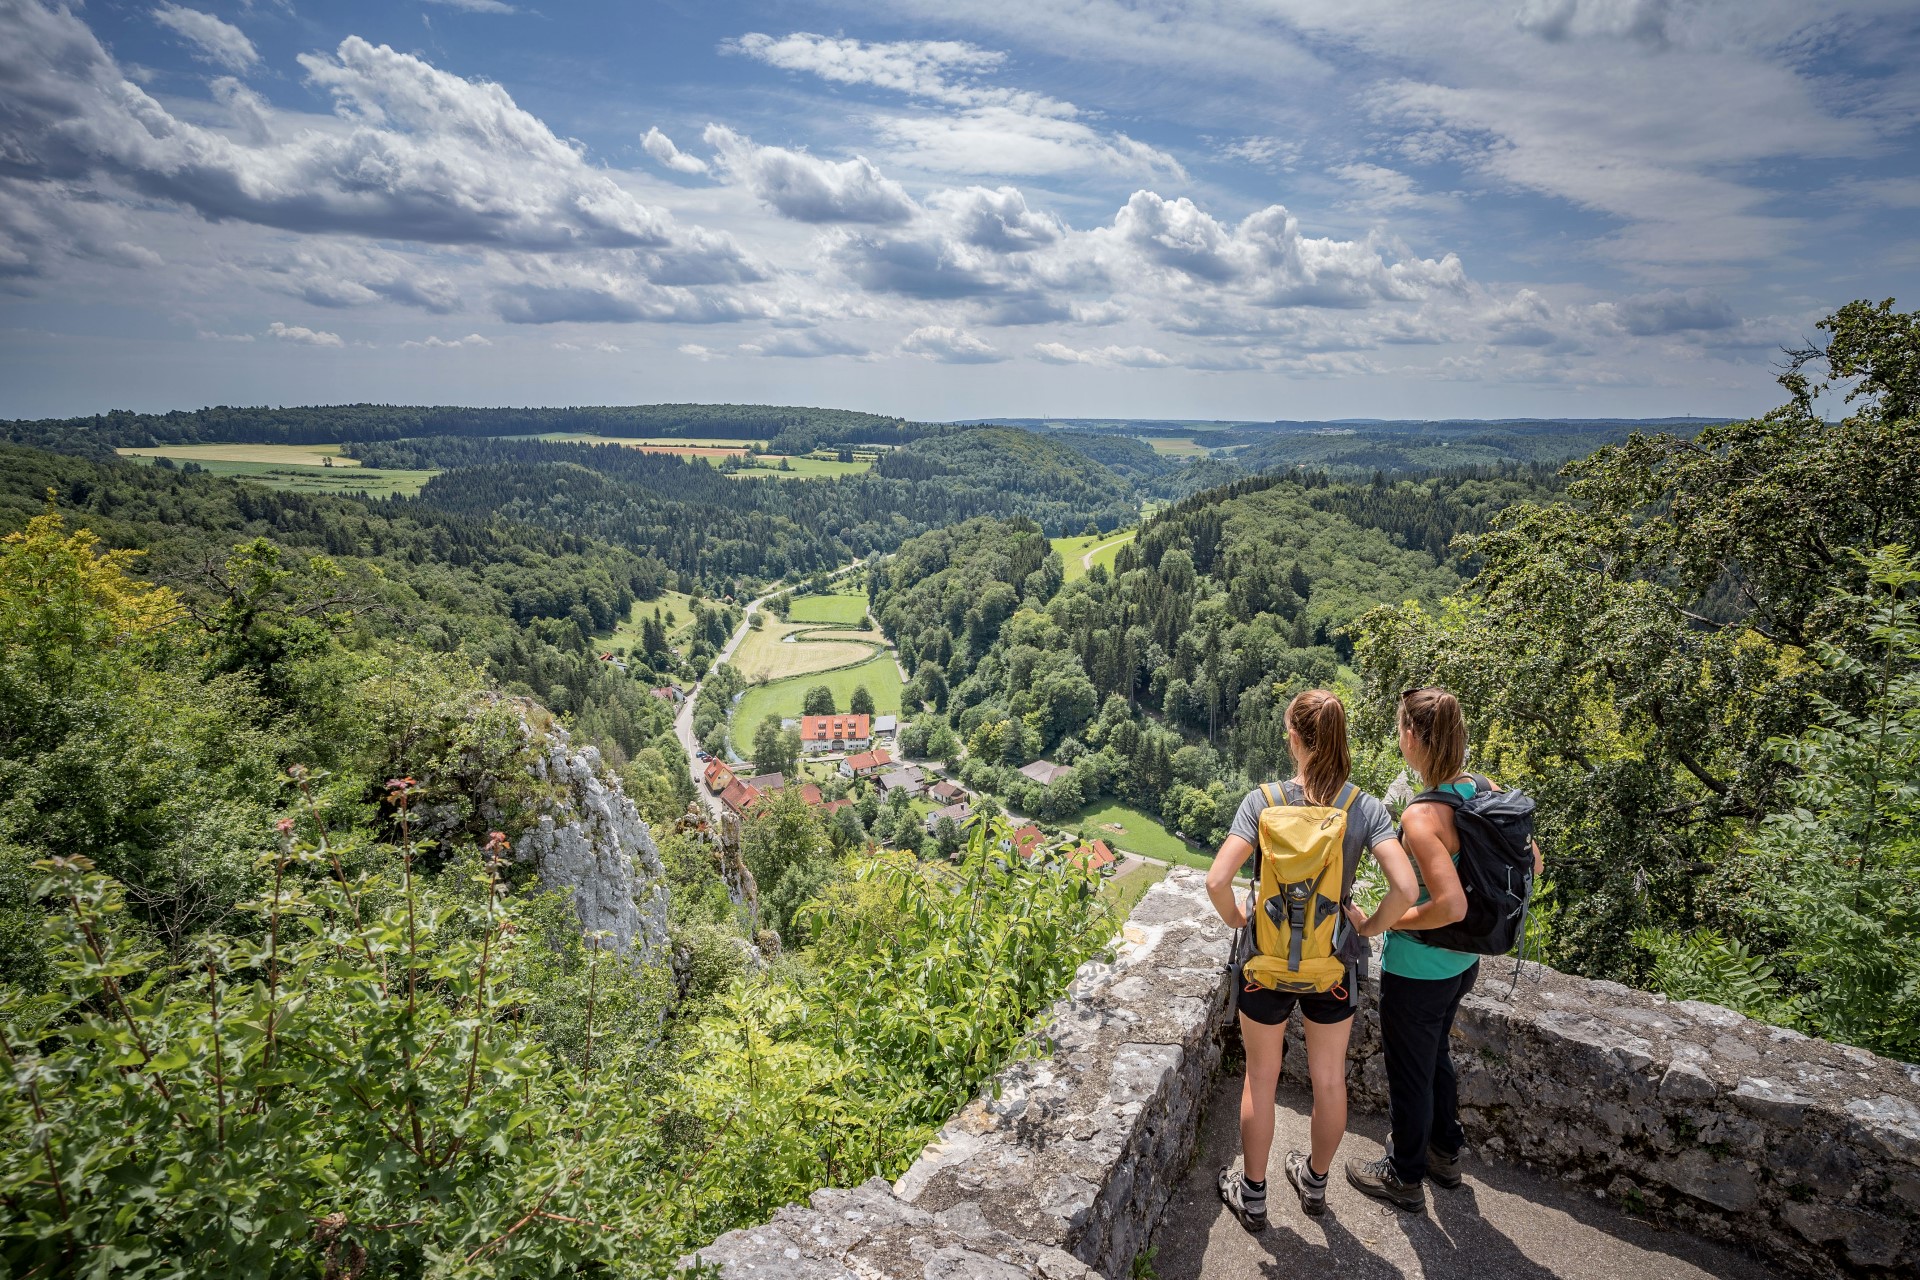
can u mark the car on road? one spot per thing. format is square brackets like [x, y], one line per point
[701, 755]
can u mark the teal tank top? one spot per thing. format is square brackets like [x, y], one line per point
[1406, 956]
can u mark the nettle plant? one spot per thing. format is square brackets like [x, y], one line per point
[355, 1091]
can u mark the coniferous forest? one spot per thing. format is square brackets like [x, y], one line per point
[279, 996]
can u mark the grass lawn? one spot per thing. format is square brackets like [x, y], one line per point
[767, 654]
[846, 607]
[1109, 551]
[1124, 891]
[1139, 833]
[801, 468]
[345, 478]
[788, 697]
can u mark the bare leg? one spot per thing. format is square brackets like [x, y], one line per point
[1327, 1064]
[1264, 1045]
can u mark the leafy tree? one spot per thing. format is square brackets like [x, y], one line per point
[775, 749]
[819, 701]
[861, 702]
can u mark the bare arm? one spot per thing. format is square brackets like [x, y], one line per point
[1402, 889]
[1233, 855]
[1423, 826]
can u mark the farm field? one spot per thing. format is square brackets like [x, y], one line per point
[1109, 551]
[787, 697]
[768, 653]
[293, 455]
[340, 479]
[802, 468]
[1176, 446]
[661, 443]
[1137, 833]
[847, 607]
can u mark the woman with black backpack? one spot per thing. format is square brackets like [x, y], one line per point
[1342, 824]
[1421, 983]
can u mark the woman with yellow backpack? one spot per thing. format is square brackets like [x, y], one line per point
[1295, 943]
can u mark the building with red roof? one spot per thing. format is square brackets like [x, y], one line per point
[738, 796]
[718, 776]
[821, 734]
[866, 764]
[1094, 855]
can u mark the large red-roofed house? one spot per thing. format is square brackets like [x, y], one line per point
[820, 734]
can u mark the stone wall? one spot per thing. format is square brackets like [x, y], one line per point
[1062, 1169]
[1806, 1151]
[1732, 1129]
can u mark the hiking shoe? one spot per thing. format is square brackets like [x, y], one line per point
[1313, 1193]
[1443, 1168]
[1378, 1180]
[1248, 1206]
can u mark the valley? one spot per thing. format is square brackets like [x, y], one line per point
[1087, 639]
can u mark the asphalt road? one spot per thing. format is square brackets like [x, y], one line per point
[683, 721]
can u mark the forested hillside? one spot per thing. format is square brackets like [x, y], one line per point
[1162, 682]
[337, 424]
[287, 1000]
[728, 531]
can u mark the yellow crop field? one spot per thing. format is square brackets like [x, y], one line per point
[296, 455]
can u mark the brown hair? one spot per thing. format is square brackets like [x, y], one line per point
[1319, 726]
[1439, 734]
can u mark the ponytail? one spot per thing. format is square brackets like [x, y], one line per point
[1318, 723]
[1439, 750]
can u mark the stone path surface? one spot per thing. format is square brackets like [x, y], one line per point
[1505, 1223]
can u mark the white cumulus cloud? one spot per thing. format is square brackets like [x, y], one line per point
[434, 342]
[661, 148]
[807, 188]
[949, 345]
[303, 336]
[213, 39]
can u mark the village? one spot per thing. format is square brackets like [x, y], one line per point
[850, 756]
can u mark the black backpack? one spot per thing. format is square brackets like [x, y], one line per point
[1496, 869]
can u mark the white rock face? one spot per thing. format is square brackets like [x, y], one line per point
[593, 843]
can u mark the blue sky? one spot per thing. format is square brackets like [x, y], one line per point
[1187, 208]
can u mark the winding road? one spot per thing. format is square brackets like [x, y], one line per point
[683, 719]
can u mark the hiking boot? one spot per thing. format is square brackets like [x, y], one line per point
[1443, 1168]
[1249, 1207]
[1378, 1180]
[1313, 1194]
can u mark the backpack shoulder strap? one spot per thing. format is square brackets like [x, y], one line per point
[1266, 789]
[1352, 794]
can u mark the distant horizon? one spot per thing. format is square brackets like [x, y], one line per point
[1015, 420]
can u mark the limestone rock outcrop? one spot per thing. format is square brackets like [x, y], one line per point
[591, 842]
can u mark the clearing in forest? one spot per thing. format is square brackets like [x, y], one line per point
[846, 607]
[627, 635]
[767, 467]
[781, 649]
[1080, 553]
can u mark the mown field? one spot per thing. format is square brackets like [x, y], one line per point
[344, 477]
[768, 468]
[293, 455]
[1125, 890]
[1176, 446]
[848, 607]
[768, 653]
[787, 697]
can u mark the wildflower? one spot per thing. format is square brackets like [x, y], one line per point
[284, 826]
[497, 842]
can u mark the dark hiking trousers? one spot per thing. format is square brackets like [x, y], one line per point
[1423, 1096]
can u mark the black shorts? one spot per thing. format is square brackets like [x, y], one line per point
[1271, 1008]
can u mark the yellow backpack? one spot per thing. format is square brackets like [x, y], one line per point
[1298, 872]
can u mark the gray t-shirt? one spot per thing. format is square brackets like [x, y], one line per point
[1368, 823]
